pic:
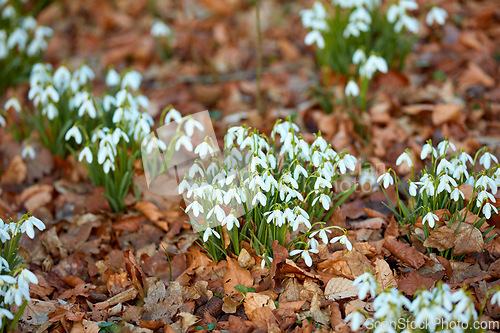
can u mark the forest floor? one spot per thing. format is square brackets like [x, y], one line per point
[96, 266]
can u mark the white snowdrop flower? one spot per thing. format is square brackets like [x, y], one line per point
[112, 78]
[220, 214]
[321, 183]
[14, 295]
[2, 121]
[412, 189]
[360, 14]
[28, 23]
[13, 102]
[486, 182]
[394, 12]
[314, 18]
[405, 157]
[342, 240]
[191, 124]
[456, 194]
[322, 233]
[386, 178]
[495, 299]
[312, 243]
[366, 283]
[444, 184]
[298, 171]
[437, 15]
[324, 199]
[275, 216]
[444, 164]
[359, 57]
[315, 37]
[204, 149]
[373, 64]
[195, 168]
[131, 80]
[305, 255]
[460, 169]
[183, 186]
[28, 151]
[9, 12]
[444, 145]
[196, 207]
[261, 197]
[156, 144]
[354, 28]
[51, 111]
[84, 74]
[28, 225]
[61, 79]
[5, 313]
[487, 208]
[410, 23]
[356, 320]
[486, 159]
[184, 141]
[430, 218]
[26, 277]
[209, 231]
[230, 221]
[87, 107]
[464, 158]
[352, 89]
[426, 149]
[484, 195]
[86, 154]
[18, 38]
[74, 132]
[160, 29]
[408, 4]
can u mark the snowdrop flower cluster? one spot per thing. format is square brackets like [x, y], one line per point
[22, 42]
[360, 18]
[346, 34]
[14, 278]
[279, 184]
[398, 14]
[315, 19]
[441, 185]
[396, 313]
[106, 131]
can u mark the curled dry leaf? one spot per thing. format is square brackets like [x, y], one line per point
[383, 273]
[150, 210]
[404, 252]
